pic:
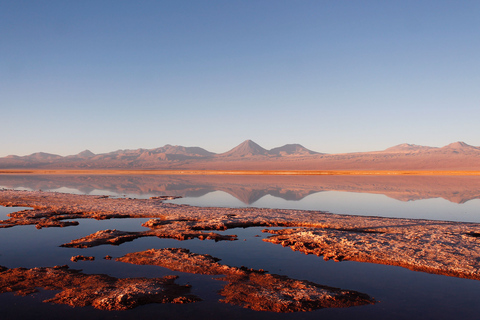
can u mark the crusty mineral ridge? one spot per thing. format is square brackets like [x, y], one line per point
[113, 237]
[98, 290]
[430, 246]
[449, 248]
[117, 237]
[253, 289]
[81, 258]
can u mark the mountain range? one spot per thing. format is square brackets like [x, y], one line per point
[250, 156]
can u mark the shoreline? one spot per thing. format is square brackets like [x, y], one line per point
[242, 172]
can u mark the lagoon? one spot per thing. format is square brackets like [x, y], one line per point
[401, 293]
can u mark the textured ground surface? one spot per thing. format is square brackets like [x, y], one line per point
[449, 248]
[98, 290]
[253, 289]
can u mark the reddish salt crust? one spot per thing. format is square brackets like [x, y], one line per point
[449, 248]
[249, 288]
[98, 290]
[117, 237]
[81, 258]
[435, 247]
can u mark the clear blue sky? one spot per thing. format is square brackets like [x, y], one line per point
[335, 76]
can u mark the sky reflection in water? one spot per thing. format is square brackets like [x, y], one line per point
[404, 294]
[437, 198]
[353, 204]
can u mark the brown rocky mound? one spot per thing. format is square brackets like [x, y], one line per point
[435, 247]
[98, 290]
[253, 289]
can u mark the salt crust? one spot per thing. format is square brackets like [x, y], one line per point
[441, 247]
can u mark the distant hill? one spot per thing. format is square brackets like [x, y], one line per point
[187, 151]
[247, 148]
[250, 156]
[41, 156]
[291, 150]
[406, 147]
[460, 147]
[86, 154]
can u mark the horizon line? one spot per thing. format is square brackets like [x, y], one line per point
[242, 172]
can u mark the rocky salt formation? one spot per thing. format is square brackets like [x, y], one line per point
[51, 209]
[81, 258]
[437, 247]
[117, 237]
[253, 289]
[98, 290]
[449, 248]
[113, 237]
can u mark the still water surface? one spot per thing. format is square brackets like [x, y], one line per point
[354, 204]
[403, 294]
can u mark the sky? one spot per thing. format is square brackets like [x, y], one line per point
[334, 76]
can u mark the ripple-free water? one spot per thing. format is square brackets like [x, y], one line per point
[364, 204]
[402, 294]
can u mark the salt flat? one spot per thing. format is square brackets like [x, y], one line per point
[440, 247]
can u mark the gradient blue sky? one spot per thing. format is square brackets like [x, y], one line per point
[335, 76]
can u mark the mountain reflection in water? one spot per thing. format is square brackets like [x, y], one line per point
[249, 189]
[401, 293]
[443, 197]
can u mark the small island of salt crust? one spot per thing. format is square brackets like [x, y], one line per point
[81, 258]
[101, 291]
[249, 288]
